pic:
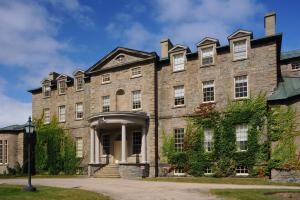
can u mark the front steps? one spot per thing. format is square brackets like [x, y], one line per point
[108, 171]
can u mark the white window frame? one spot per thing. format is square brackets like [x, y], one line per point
[106, 76]
[244, 169]
[179, 172]
[239, 131]
[47, 89]
[136, 72]
[76, 83]
[179, 141]
[4, 152]
[177, 97]
[234, 53]
[136, 101]
[78, 112]
[247, 81]
[60, 82]
[61, 115]
[208, 139]
[47, 117]
[208, 85]
[181, 66]
[106, 103]
[203, 56]
[206, 173]
[79, 150]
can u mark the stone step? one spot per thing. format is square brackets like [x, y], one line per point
[108, 171]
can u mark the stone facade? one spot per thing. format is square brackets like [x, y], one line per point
[113, 76]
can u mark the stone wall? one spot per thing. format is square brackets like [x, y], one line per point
[134, 171]
[285, 176]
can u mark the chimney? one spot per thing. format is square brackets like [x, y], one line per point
[53, 75]
[270, 23]
[165, 45]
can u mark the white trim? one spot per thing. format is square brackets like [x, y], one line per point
[213, 55]
[233, 46]
[179, 105]
[184, 61]
[141, 103]
[76, 111]
[203, 92]
[76, 83]
[207, 39]
[239, 31]
[137, 75]
[59, 113]
[178, 46]
[59, 88]
[237, 98]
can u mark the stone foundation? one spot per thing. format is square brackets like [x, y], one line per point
[285, 176]
[92, 168]
[134, 171]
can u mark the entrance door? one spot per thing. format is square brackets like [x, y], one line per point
[117, 151]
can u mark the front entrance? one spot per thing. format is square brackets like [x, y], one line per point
[117, 151]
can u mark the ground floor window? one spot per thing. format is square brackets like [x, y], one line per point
[136, 142]
[3, 152]
[79, 147]
[179, 172]
[179, 138]
[208, 171]
[106, 144]
[241, 170]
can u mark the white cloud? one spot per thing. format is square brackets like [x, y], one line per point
[29, 41]
[12, 110]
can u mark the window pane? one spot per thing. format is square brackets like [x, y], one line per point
[178, 62]
[207, 56]
[79, 83]
[240, 49]
[106, 144]
[79, 110]
[136, 99]
[241, 86]
[242, 137]
[179, 138]
[136, 71]
[105, 78]
[61, 87]
[136, 142]
[62, 113]
[47, 115]
[79, 147]
[179, 95]
[208, 91]
[208, 140]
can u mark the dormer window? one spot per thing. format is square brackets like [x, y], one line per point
[239, 49]
[207, 56]
[106, 78]
[79, 82]
[62, 87]
[178, 62]
[47, 89]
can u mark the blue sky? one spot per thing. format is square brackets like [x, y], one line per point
[39, 36]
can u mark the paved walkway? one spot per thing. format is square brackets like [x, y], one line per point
[122, 189]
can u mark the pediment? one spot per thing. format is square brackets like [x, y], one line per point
[240, 33]
[120, 56]
[179, 47]
[61, 77]
[78, 72]
[208, 41]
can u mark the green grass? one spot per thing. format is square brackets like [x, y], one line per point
[249, 194]
[13, 192]
[43, 176]
[227, 180]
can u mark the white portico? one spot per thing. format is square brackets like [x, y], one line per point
[118, 137]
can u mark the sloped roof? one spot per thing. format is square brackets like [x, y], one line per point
[12, 128]
[290, 54]
[289, 87]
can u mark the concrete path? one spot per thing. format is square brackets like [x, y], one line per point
[122, 189]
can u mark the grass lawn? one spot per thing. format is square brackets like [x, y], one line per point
[13, 192]
[227, 180]
[43, 176]
[255, 194]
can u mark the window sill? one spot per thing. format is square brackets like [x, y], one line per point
[46, 123]
[209, 174]
[62, 122]
[104, 83]
[208, 65]
[295, 70]
[137, 76]
[240, 98]
[138, 109]
[78, 119]
[79, 90]
[179, 106]
[238, 174]
[182, 70]
[4, 164]
[61, 94]
[46, 97]
[240, 59]
[207, 102]
[238, 151]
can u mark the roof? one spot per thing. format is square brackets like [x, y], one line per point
[289, 87]
[290, 54]
[12, 128]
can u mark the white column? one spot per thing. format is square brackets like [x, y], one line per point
[97, 147]
[144, 145]
[92, 150]
[124, 157]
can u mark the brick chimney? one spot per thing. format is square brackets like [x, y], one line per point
[270, 23]
[53, 75]
[165, 45]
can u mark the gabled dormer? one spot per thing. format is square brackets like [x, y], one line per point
[240, 45]
[46, 87]
[178, 57]
[62, 84]
[79, 80]
[207, 51]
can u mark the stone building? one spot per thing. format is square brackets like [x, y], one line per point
[118, 108]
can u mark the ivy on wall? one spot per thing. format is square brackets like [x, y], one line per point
[264, 126]
[55, 149]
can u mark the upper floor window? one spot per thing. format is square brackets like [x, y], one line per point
[136, 142]
[179, 95]
[106, 78]
[208, 140]
[62, 87]
[136, 99]
[79, 82]
[241, 137]
[62, 113]
[79, 147]
[178, 62]
[208, 91]
[47, 90]
[239, 49]
[105, 103]
[47, 116]
[136, 72]
[241, 86]
[3, 152]
[79, 110]
[207, 56]
[295, 66]
[106, 144]
[179, 138]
